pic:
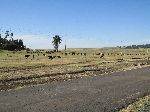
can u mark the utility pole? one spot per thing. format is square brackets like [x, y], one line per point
[65, 45]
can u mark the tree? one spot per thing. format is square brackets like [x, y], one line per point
[56, 41]
[7, 34]
[11, 44]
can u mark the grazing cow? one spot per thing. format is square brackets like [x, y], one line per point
[73, 53]
[65, 53]
[102, 55]
[98, 53]
[84, 54]
[44, 54]
[58, 56]
[26, 56]
[50, 57]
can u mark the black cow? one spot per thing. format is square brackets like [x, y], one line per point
[84, 54]
[73, 53]
[51, 57]
[26, 56]
[58, 56]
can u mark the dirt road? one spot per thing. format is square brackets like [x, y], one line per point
[106, 93]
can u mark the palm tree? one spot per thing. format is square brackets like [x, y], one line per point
[56, 41]
[7, 34]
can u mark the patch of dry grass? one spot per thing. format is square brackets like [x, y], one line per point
[142, 105]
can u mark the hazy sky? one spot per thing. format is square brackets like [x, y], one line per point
[82, 23]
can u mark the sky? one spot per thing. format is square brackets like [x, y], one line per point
[80, 23]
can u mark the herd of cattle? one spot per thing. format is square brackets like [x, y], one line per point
[52, 54]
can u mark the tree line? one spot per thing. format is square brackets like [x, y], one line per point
[135, 46]
[138, 46]
[8, 43]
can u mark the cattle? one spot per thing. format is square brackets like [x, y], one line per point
[65, 53]
[98, 53]
[84, 54]
[44, 54]
[51, 57]
[58, 56]
[73, 53]
[102, 55]
[26, 56]
[54, 57]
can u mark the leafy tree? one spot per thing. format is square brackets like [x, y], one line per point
[56, 41]
[11, 44]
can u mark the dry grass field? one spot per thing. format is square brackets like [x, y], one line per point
[142, 105]
[16, 70]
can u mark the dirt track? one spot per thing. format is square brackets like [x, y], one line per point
[90, 94]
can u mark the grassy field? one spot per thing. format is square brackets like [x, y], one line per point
[142, 105]
[17, 71]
